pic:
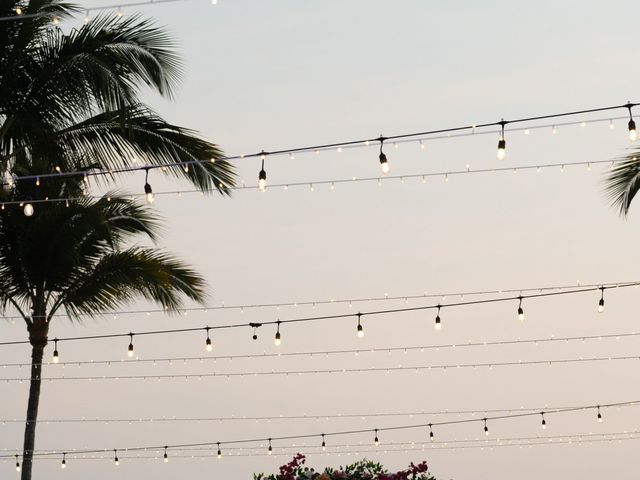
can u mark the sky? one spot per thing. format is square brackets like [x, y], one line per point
[279, 74]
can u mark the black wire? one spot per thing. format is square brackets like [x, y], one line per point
[500, 123]
[332, 317]
[331, 434]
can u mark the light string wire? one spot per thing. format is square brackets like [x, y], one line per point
[414, 136]
[385, 450]
[339, 433]
[274, 373]
[343, 416]
[338, 301]
[325, 353]
[332, 183]
[359, 315]
[119, 6]
[389, 446]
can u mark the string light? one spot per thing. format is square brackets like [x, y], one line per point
[502, 143]
[438, 324]
[431, 436]
[64, 461]
[384, 164]
[219, 451]
[277, 340]
[165, 456]
[270, 450]
[601, 302]
[130, 349]
[520, 311]
[599, 415]
[180, 447]
[262, 176]
[148, 192]
[544, 422]
[208, 345]
[115, 458]
[359, 329]
[324, 445]
[17, 463]
[28, 209]
[337, 316]
[633, 136]
[56, 358]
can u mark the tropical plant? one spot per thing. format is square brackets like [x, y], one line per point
[623, 182]
[361, 470]
[70, 102]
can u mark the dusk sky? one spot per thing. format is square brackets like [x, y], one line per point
[277, 74]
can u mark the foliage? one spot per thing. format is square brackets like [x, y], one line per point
[623, 182]
[362, 470]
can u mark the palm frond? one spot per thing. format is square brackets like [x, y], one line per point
[119, 278]
[623, 182]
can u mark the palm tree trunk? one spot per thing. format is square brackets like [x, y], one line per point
[38, 339]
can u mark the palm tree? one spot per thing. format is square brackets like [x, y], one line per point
[623, 183]
[71, 102]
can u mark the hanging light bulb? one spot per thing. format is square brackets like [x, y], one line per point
[37, 181]
[17, 458]
[255, 331]
[376, 442]
[599, 415]
[601, 302]
[148, 192]
[130, 349]
[120, 13]
[270, 451]
[633, 135]
[324, 445]
[359, 329]
[262, 176]
[544, 422]
[208, 345]
[64, 461]
[431, 436]
[219, 451]
[384, 164]
[486, 429]
[56, 359]
[28, 209]
[18, 12]
[165, 457]
[115, 458]
[277, 340]
[438, 324]
[86, 17]
[520, 311]
[502, 143]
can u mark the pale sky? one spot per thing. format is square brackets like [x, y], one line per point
[277, 74]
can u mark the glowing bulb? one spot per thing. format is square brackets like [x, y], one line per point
[431, 436]
[520, 314]
[384, 165]
[130, 349]
[324, 445]
[544, 422]
[165, 457]
[376, 442]
[360, 330]
[28, 209]
[633, 135]
[277, 341]
[262, 180]
[56, 358]
[599, 415]
[502, 146]
[115, 459]
[64, 461]
[18, 12]
[219, 451]
[208, 345]
[438, 324]
[486, 429]
[56, 20]
[270, 451]
[17, 464]
[601, 302]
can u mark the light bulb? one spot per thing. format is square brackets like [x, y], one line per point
[28, 209]
[130, 349]
[502, 146]
[219, 451]
[360, 330]
[486, 429]
[148, 192]
[56, 359]
[115, 458]
[599, 416]
[262, 180]
[431, 436]
[277, 340]
[270, 451]
[165, 457]
[208, 345]
[64, 461]
[633, 135]
[376, 442]
[544, 423]
[520, 314]
[17, 464]
[384, 164]
[438, 324]
[601, 305]
[324, 445]
[18, 12]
